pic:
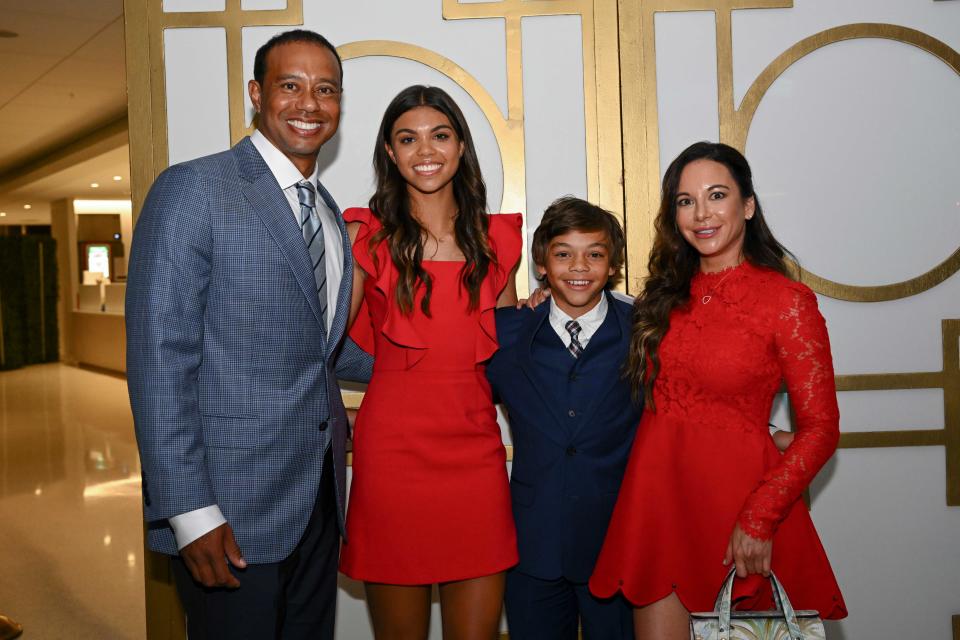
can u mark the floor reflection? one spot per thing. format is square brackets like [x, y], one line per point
[71, 539]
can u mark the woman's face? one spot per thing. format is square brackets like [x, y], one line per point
[712, 213]
[426, 150]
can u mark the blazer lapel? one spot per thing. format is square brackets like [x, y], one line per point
[527, 366]
[267, 200]
[342, 309]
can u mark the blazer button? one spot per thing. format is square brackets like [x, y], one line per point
[323, 426]
[573, 377]
[571, 451]
[572, 413]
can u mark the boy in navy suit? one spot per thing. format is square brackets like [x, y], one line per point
[573, 418]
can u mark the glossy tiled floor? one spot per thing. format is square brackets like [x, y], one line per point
[71, 539]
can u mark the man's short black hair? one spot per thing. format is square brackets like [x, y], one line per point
[568, 214]
[295, 35]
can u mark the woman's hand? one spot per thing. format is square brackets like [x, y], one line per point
[536, 298]
[782, 439]
[748, 554]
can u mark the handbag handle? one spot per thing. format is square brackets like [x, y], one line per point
[780, 599]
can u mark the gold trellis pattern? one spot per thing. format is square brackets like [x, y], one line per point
[642, 178]
[641, 127]
[622, 147]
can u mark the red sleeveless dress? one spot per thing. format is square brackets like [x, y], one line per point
[430, 500]
[704, 459]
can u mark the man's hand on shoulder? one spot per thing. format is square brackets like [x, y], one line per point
[208, 556]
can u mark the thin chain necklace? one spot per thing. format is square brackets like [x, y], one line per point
[712, 290]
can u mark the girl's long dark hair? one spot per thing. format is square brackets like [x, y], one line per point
[673, 262]
[403, 233]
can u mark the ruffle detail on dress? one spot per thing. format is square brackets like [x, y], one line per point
[506, 241]
[397, 326]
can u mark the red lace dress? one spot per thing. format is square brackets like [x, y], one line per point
[704, 460]
[430, 499]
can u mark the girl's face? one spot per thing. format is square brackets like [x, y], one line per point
[712, 213]
[426, 150]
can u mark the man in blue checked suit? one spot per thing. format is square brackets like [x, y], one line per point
[237, 300]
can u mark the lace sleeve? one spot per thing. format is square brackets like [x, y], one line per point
[803, 352]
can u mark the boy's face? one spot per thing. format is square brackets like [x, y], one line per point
[577, 267]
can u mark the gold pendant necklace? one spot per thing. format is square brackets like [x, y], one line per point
[707, 297]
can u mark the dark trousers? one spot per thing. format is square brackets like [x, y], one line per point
[539, 609]
[290, 600]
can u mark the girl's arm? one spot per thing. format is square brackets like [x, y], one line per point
[508, 297]
[359, 276]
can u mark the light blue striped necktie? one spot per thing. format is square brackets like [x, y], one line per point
[313, 236]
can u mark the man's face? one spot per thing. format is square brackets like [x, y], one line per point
[299, 102]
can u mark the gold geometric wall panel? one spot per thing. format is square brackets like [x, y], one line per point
[735, 126]
[947, 379]
[641, 162]
[641, 128]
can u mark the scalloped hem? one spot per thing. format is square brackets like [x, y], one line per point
[837, 612]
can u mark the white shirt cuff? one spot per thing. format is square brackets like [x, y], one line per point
[189, 526]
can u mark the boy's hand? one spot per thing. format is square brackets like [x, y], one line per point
[536, 298]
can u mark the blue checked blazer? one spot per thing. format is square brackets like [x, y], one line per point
[232, 378]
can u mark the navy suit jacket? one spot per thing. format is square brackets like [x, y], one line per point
[232, 376]
[568, 461]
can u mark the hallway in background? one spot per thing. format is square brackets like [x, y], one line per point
[71, 538]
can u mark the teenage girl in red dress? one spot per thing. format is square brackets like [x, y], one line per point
[429, 502]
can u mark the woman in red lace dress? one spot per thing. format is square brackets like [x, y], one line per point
[717, 327]
[429, 501]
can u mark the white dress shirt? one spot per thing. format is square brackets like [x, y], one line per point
[189, 526]
[589, 322]
[288, 176]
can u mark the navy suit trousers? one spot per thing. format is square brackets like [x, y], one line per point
[538, 609]
[294, 599]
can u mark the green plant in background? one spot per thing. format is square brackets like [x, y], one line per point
[28, 301]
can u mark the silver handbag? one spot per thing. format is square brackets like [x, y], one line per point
[782, 624]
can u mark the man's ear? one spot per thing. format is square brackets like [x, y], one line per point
[253, 88]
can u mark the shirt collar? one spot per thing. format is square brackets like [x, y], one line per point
[588, 321]
[286, 174]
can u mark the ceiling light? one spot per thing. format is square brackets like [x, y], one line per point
[3, 214]
[94, 185]
[117, 178]
[28, 206]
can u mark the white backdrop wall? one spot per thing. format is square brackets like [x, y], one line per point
[855, 150]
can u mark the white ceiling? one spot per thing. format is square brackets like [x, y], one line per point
[73, 182]
[62, 77]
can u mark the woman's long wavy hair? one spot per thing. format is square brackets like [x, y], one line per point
[402, 232]
[674, 262]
